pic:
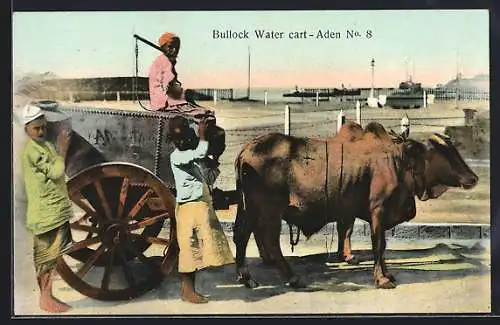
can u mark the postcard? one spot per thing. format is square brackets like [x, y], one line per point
[251, 163]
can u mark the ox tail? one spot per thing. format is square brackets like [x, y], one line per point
[238, 167]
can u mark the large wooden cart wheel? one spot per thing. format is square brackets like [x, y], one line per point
[119, 232]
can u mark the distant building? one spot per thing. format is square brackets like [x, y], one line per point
[477, 87]
[479, 83]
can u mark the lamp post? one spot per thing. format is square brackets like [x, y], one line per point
[372, 64]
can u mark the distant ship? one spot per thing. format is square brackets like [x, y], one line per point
[323, 92]
[408, 95]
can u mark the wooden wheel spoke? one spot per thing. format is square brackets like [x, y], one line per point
[82, 244]
[79, 201]
[78, 226]
[123, 197]
[90, 233]
[85, 216]
[125, 268]
[108, 270]
[148, 221]
[138, 206]
[153, 240]
[156, 204]
[90, 262]
[103, 199]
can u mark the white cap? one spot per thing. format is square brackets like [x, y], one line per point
[31, 113]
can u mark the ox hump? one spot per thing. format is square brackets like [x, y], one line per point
[350, 131]
[273, 145]
[377, 130]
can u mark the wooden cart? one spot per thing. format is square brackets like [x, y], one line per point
[121, 184]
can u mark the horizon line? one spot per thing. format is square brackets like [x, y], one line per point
[20, 76]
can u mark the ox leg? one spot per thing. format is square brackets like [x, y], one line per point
[271, 240]
[242, 230]
[382, 279]
[259, 240]
[344, 230]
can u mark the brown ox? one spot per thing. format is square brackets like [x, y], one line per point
[311, 182]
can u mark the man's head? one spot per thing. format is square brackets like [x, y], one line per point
[171, 44]
[183, 136]
[34, 122]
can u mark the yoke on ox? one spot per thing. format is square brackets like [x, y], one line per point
[367, 174]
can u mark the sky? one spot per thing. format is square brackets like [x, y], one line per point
[430, 45]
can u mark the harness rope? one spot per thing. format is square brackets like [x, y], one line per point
[325, 190]
[293, 243]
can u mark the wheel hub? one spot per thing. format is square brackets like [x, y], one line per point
[114, 234]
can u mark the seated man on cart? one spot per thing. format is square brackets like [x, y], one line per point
[166, 94]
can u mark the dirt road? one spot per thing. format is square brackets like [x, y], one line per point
[433, 277]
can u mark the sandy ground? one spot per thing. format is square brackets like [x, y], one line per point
[433, 277]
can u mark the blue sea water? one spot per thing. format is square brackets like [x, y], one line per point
[275, 95]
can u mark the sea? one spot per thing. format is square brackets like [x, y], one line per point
[275, 95]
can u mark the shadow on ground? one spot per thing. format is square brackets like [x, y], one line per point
[322, 273]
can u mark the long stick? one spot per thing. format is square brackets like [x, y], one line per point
[248, 83]
[149, 43]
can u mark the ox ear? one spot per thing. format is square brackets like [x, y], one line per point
[397, 138]
[401, 136]
[414, 153]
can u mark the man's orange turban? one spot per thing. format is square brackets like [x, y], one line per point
[165, 38]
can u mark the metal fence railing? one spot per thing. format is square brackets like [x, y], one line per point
[89, 95]
[460, 94]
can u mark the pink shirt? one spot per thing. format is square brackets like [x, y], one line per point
[160, 74]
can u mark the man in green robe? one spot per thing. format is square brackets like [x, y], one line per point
[49, 207]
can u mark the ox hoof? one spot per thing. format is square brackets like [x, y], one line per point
[385, 283]
[391, 278]
[249, 283]
[296, 282]
[351, 260]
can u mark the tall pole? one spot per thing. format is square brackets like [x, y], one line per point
[372, 63]
[248, 82]
[406, 70]
[457, 96]
[358, 112]
[413, 69]
[287, 120]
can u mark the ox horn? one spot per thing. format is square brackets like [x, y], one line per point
[439, 139]
[442, 136]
